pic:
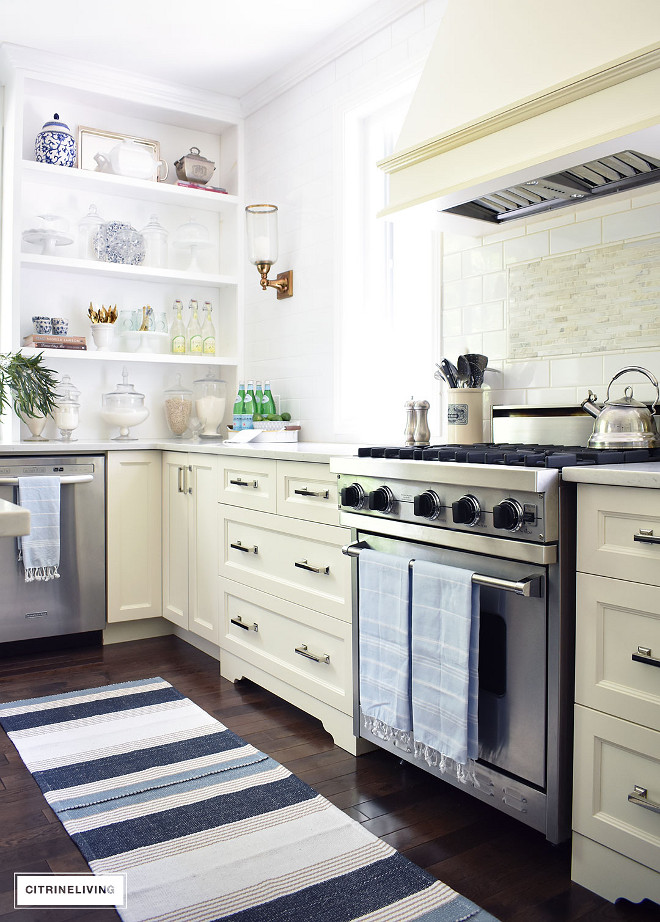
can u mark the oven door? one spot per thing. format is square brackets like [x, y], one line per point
[512, 658]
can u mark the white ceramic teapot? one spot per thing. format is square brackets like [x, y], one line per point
[128, 158]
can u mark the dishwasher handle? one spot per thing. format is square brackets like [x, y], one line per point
[74, 478]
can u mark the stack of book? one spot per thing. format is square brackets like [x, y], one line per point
[46, 341]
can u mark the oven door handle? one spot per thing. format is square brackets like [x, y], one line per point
[75, 478]
[529, 586]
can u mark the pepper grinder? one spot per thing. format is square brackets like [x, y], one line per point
[411, 419]
[422, 433]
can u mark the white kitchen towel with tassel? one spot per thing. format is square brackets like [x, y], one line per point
[40, 550]
[445, 666]
[384, 645]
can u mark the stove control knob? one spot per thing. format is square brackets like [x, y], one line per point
[466, 510]
[508, 514]
[381, 499]
[427, 505]
[353, 496]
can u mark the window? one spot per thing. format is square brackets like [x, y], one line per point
[386, 330]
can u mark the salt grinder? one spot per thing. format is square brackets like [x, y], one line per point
[411, 419]
[422, 434]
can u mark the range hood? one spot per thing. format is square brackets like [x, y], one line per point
[525, 106]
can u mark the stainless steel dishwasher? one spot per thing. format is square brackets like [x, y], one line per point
[74, 603]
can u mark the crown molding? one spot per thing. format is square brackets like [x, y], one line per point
[362, 27]
[199, 104]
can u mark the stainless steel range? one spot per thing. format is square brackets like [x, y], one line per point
[503, 512]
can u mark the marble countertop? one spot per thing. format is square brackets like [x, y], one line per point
[616, 475]
[283, 451]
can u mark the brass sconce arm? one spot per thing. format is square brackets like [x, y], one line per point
[283, 283]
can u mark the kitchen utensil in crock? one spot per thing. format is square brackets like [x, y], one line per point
[477, 364]
[450, 372]
[464, 372]
[624, 423]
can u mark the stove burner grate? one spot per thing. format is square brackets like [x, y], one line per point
[516, 455]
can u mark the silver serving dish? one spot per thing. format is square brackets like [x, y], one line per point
[192, 167]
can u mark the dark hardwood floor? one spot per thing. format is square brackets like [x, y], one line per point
[502, 865]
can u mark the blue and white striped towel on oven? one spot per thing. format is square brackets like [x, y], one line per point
[384, 639]
[445, 664]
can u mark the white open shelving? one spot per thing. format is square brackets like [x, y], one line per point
[64, 284]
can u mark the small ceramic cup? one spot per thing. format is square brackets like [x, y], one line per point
[60, 326]
[42, 325]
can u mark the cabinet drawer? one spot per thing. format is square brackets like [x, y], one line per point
[306, 490]
[614, 619]
[302, 647]
[612, 756]
[292, 559]
[248, 482]
[611, 522]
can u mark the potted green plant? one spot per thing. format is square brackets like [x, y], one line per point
[27, 385]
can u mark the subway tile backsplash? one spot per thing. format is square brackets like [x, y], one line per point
[578, 293]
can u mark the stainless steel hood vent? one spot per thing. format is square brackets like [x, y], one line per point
[618, 172]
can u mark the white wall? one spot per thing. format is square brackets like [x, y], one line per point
[292, 159]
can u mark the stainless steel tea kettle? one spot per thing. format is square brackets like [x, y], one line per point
[624, 423]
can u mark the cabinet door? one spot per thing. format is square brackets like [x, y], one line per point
[618, 530]
[203, 547]
[307, 490]
[134, 535]
[617, 648]
[614, 759]
[176, 479]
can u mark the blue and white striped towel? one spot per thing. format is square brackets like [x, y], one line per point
[40, 550]
[384, 637]
[445, 661]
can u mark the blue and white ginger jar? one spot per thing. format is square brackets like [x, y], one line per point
[55, 144]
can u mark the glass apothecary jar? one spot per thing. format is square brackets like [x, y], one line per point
[210, 401]
[178, 408]
[155, 243]
[124, 407]
[67, 412]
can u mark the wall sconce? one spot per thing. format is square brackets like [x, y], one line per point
[261, 226]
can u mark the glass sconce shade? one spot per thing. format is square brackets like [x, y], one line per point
[261, 226]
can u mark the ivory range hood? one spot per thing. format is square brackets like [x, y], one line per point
[519, 112]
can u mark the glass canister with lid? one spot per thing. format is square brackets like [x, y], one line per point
[67, 412]
[210, 401]
[124, 407]
[155, 243]
[178, 408]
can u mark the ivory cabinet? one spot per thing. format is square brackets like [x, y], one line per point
[190, 545]
[616, 796]
[285, 587]
[134, 535]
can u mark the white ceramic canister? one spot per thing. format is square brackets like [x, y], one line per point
[465, 415]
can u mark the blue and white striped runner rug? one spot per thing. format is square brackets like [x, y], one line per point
[204, 825]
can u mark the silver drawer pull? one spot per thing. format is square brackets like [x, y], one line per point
[238, 546]
[317, 657]
[238, 621]
[306, 566]
[322, 494]
[646, 536]
[245, 483]
[640, 796]
[643, 655]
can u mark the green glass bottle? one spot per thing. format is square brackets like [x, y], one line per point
[194, 331]
[248, 402]
[239, 408]
[258, 398]
[267, 403]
